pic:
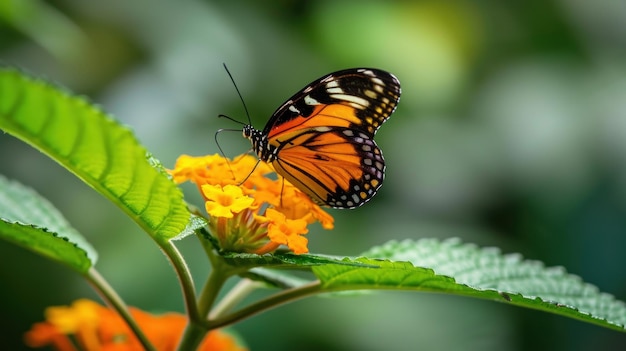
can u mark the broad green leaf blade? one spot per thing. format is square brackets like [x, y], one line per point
[96, 148]
[28, 220]
[456, 268]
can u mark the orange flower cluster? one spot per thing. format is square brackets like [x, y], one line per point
[249, 211]
[88, 326]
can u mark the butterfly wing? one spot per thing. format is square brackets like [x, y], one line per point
[324, 136]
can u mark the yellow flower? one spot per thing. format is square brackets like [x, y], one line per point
[286, 231]
[224, 201]
[97, 328]
[251, 209]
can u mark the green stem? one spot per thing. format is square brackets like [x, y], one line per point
[208, 247]
[192, 337]
[111, 297]
[196, 331]
[268, 303]
[185, 279]
[217, 278]
[242, 289]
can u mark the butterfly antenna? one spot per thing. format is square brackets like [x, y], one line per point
[223, 130]
[250, 173]
[230, 119]
[240, 97]
[245, 107]
[220, 147]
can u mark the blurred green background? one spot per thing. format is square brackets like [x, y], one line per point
[511, 132]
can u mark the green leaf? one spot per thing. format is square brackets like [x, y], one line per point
[194, 224]
[94, 147]
[274, 278]
[274, 269]
[285, 260]
[461, 269]
[28, 220]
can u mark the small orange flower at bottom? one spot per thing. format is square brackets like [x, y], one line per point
[97, 328]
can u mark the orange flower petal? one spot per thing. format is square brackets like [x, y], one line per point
[111, 333]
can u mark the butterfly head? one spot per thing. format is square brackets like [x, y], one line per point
[260, 145]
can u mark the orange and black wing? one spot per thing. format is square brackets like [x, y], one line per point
[324, 136]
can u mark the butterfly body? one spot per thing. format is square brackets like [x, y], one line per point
[322, 138]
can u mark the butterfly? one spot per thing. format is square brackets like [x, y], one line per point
[322, 139]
